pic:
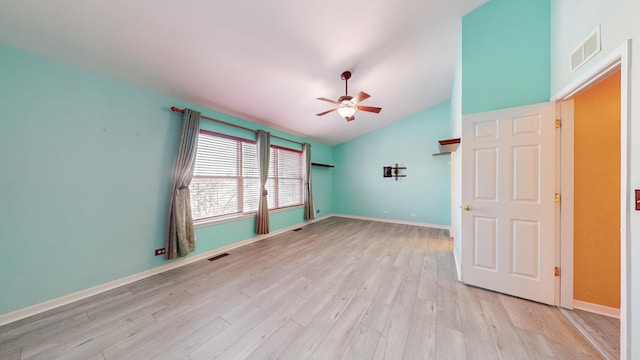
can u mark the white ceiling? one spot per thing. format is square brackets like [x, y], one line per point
[264, 61]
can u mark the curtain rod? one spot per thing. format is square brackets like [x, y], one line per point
[175, 109]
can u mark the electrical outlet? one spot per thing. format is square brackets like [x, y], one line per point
[385, 212]
[161, 251]
[413, 214]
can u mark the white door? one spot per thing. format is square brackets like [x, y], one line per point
[508, 190]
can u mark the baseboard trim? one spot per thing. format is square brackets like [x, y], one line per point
[83, 294]
[458, 265]
[401, 222]
[582, 330]
[596, 308]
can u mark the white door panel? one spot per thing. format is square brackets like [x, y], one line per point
[508, 242]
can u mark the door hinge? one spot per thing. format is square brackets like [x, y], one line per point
[557, 197]
[558, 123]
[557, 271]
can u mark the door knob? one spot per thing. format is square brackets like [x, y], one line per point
[466, 207]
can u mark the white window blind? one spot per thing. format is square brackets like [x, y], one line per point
[226, 179]
[285, 178]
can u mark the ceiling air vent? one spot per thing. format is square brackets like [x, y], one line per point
[586, 50]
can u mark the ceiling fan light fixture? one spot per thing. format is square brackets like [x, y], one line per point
[346, 106]
[346, 109]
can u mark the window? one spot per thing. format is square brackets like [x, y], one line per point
[284, 184]
[226, 180]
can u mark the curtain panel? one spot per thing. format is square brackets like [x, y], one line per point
[180, 235]
[263, 144]
[309, 209]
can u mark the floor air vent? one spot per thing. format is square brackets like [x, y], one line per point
[586, 50]
[218, 256]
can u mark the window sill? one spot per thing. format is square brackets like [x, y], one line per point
[226, 219]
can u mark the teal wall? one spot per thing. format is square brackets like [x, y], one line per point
[506, 55]
[85, 171]
[362, 191]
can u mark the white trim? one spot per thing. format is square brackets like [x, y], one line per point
[566, 209]
[401, 222]
[597, 309]
[618, 57]
[603, 67]
[578, 325]
[457, 263]
[83, 294]
[225, 219]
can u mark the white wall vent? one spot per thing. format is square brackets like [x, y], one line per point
[586, 50]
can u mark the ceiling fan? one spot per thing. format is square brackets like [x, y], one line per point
[347, 105]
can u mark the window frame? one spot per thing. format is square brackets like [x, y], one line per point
[276, 177]
[240, 193]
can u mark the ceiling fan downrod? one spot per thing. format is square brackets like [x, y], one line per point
[346, 76]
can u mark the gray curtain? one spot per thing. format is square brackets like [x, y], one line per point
[263, 143]
[180, 235]
[309, 210]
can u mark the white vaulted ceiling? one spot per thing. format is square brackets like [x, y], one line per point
[264, 61]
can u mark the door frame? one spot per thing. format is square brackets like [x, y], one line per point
[617, 59]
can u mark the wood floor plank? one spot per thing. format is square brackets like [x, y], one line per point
[245, 317]
[337, 289]
[325, 295]
[362, 344]
[317, 329]
[41, 334]
[421, 343]
[337, 339]
[447, 305]
[97, 356]
[10, 352]
[181, 346]
[602, 331]
[276, 342]
[379, 310]
[477, 336]
[250, 341]
[90, 345]
[150, 342]
[536, 345]
[449, 344]
[394, 335]
[505, 337]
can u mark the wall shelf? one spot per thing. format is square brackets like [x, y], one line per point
[322, 165]
[447, 146]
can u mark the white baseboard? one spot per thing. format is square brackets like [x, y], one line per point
[598, 309]
[83, 294]
[458, 265]
[401, 222]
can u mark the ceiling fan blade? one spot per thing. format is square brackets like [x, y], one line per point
[361, 97]
[328, 100]
[350, 118]
[369, 108]
[326, 112]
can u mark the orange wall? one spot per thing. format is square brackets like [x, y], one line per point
[597, 194]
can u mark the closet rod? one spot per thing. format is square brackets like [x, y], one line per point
[175, 109]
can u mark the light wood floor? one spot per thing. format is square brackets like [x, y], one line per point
[337, 289]
[602, 331]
